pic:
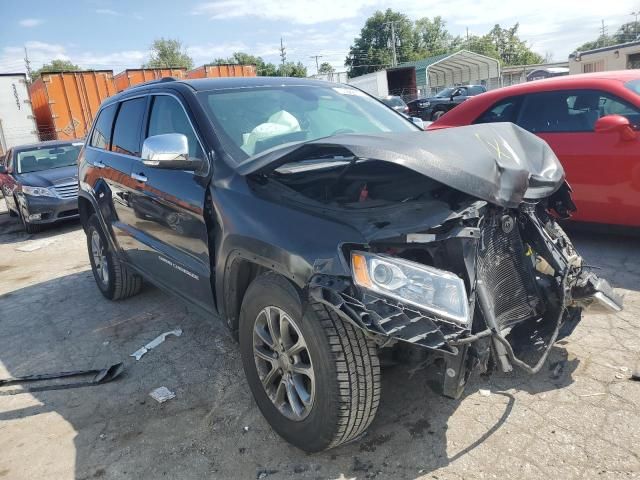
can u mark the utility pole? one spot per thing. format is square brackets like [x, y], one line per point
[27, 64]
[603, 33]
[394, 61]
[283, 55]
[317, 57]
[635, 23]
[467, 35]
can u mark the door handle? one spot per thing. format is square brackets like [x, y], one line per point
[140, 177]
[99, 164]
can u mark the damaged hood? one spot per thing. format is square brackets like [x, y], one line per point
[497, 162]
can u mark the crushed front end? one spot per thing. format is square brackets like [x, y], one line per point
[493, 287]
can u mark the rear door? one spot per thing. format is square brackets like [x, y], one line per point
[599, 166]
[168, 207]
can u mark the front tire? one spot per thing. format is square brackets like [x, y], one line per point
[331, 376]
[115, 280]
[437, 114]
[28, 226]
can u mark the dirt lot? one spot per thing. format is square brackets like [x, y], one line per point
[579, 418]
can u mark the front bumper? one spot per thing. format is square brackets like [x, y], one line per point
[521, 304]
[49, 209]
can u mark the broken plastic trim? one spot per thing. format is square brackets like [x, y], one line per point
[100, 376]
[384, 319]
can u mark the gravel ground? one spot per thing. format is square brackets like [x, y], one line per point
[578, 418]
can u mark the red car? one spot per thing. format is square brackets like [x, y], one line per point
[592, 123]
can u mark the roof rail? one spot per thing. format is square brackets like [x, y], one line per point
[153, 82]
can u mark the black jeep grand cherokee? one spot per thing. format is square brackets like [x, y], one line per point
[325, 229]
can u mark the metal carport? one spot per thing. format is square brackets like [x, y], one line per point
[459, 68]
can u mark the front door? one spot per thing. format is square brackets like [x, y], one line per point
[601, 168]
[169, 211]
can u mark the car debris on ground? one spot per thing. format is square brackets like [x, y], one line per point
[162, 394]
[155, 342]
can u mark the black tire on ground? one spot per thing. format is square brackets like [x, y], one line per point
[121, 282]
[345, 365]
[437, 114]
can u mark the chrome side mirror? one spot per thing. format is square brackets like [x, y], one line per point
[169, 150]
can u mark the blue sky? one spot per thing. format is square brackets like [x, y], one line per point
[114, 34]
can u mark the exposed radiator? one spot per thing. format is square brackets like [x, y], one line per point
[507, 272]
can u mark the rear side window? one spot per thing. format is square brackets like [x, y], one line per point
[101, 136]
[476, 90]
[126, 132]
[505, 110]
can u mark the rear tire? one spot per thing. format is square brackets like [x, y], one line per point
[115, 280]
[344, 365]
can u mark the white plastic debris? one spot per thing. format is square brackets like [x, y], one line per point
[155, 342]
[162, 394]
[34, 245]
[484, 392]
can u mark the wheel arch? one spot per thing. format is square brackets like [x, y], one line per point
[85, 208]
[240, 271]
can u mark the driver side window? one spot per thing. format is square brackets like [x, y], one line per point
[168, 116]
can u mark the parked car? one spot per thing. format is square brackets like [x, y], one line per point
[325, 230]
[432, 108]
[591, 122]
[396, 103]
[40, 182]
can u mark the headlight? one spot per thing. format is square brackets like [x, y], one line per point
[38, 191]
[437, 291]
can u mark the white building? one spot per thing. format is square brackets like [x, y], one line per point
[515, 74]
[616, 57]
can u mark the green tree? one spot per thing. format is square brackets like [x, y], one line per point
[505, 45]
[433, 38]
[372, 50]
[168, 53]
[55, 66]
[626, 33]
[240, 58]
[326, 67]
[291, 69]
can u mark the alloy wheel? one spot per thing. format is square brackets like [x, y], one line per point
[283, 362]
[99, 257]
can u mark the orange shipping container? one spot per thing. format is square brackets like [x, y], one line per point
[65, 103]
[215, 71]
[134, 76]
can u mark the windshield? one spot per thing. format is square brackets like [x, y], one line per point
[445, 92]
[45, 158]
[634, 86]
[251, 120]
